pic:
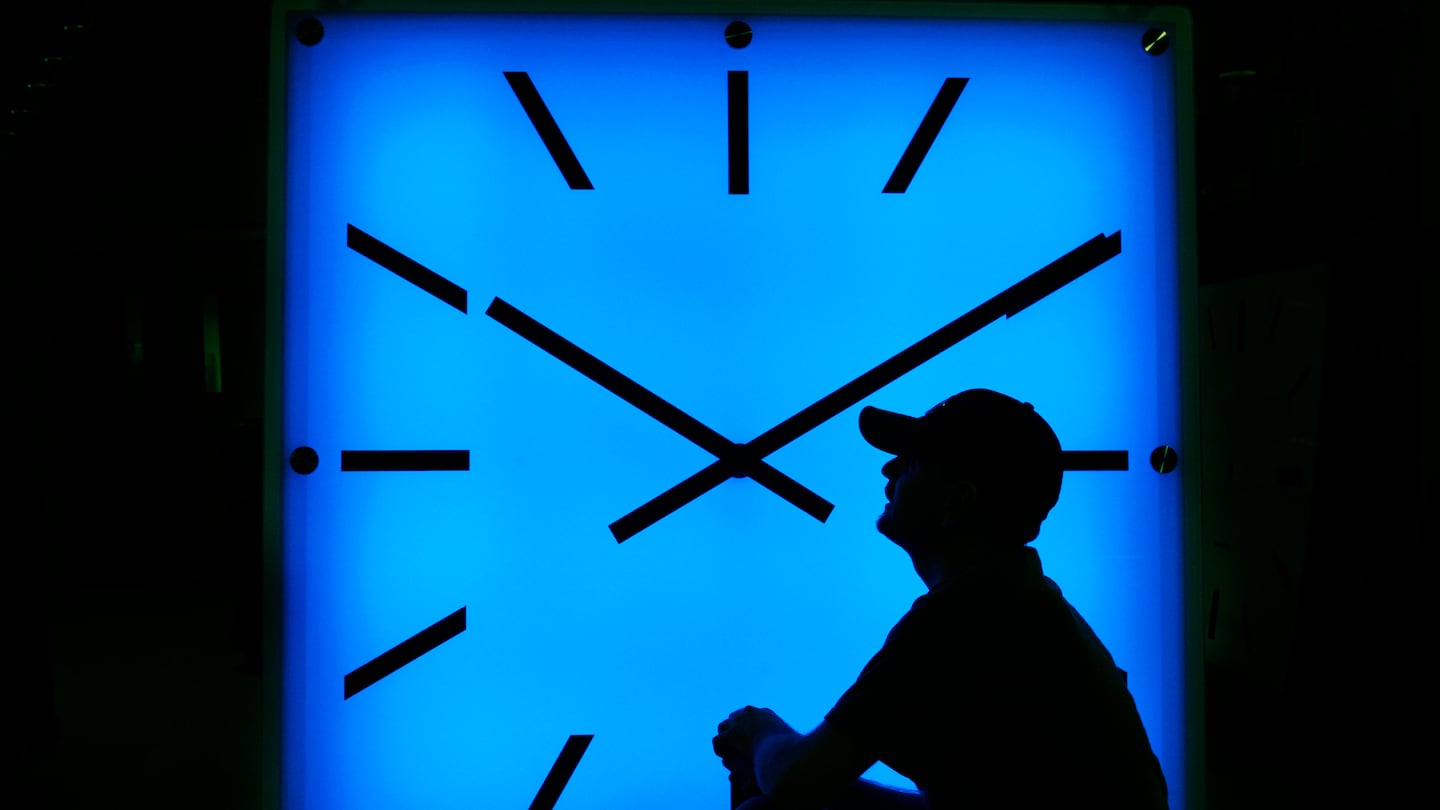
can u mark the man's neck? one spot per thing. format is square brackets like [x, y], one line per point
[970, 560]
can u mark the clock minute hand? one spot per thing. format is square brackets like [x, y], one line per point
[1012, 301]
[1008, 303]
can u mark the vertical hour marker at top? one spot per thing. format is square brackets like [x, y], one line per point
[739, 85]
[924, 137]
[548, 130]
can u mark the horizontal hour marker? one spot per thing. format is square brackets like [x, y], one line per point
[1095, 460]
[403, 460]
[388, 662]
[405, 267]
[924, 137]
[548, 130]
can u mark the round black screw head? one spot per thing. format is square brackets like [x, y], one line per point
[738, 34]
[304, 460]
[1164, 459]
[309, 31]
[1155, 41]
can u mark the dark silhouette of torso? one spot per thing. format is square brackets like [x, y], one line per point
[993, 692]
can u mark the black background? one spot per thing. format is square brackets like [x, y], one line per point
[134, 150]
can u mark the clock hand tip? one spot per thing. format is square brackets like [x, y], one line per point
[620, 533]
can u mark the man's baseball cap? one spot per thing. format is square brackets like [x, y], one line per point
[982, 431]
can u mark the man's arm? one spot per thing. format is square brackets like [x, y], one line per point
[822, 770]
[860, 795]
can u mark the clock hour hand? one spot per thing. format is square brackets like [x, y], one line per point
[1008, 303]
[735, 460]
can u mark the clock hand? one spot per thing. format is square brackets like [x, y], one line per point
[734, 459]
[712, 476]
[1008, 303]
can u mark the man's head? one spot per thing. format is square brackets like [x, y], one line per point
[978, 466]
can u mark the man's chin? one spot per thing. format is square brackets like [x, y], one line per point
[887, 525]
[898, 533]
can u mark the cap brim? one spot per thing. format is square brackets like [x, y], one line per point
[886, 430]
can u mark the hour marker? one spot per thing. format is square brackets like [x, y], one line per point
[405, 267]
[739, 84]
[388, 662]
[924, 137]
[1008, 303]
[561, 771]
[403, 460]
[548, 130]
[1118, 460]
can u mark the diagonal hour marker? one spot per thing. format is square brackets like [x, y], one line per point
[403, 460]
[1008, 303]
[405, 267]
[388, 662]
[924, 136]
[739, 99]
[548, 130]
[561, 772]
[736, 461]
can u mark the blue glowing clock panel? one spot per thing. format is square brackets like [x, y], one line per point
[487, 214]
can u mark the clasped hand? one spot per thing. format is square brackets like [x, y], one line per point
[742, 732]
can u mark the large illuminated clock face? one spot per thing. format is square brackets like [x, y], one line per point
[574, 315]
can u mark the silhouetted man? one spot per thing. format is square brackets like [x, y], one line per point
[992, 691]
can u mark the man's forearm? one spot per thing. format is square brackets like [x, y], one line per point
[775, 753]
[866, 795]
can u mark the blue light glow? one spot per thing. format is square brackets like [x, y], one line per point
[738, 309]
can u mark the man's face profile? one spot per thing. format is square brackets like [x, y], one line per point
[925, 502]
